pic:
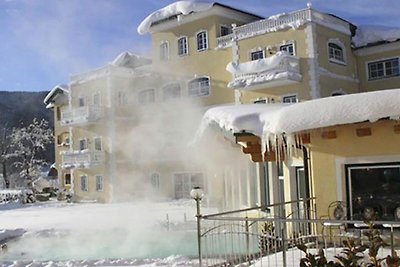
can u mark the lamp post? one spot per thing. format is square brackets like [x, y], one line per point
[197, 194]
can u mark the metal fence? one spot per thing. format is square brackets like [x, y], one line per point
[271, 235]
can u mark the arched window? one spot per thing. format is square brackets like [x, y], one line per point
[171, 91]
[336, 52]
[199, 87]
[201, 38]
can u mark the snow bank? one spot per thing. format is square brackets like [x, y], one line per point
[177, 8]
[257, 66]
[372, 34]
[277, 119]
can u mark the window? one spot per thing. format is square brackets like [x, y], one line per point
[97, 144]
[171, 91]
[96, 99]
[182, 46]
[289, 99]
[82, 144]
[184, 183]
[256, 55]
[336, 52]
[84, 183]
[81, 102]
[224, 30]
[155, 180]
[122, 98]
[199, 87]
[289, 48]
[147, 96]
[164, 51]
[202, 43]
[383, 69]
[99, 183]
[67, 179]
[373, 190]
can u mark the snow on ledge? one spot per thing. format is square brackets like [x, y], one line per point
[177, 8]
[373, 34]
[271, 120]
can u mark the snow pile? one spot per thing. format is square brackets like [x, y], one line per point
[129, 60]
[279, 66]
[373, 34]
[278, 119]
[177, 8]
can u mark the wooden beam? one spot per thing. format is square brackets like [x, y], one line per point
[305, 138]
[253, 139]
[366, 131]
[252, 149]
[329, 134]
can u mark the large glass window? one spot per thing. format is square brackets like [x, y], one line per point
[182, 46]
[373, 191]
[171, 91]
[383, 69]
[184, 183]
[202, 43]
[336, 53]
[199, 87]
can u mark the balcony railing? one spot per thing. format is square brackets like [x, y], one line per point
[280, 69]
[80, 115]
[294, 19]
[84, 159]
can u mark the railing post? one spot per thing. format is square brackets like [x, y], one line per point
[284, 246]
[197, 194]
[247, 238]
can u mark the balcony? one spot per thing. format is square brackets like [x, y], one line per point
[277, 70]
[80, 115]
[84, 159]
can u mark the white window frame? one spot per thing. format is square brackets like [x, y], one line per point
[289, 96]
[65, 179]
[164, 98]
[343, 50]
[94, 97]
[256, 51]
[147, 96]
[164, 52]
[96, 177]
[286, 44]
[81, 179]
[199, 88]
[94, 143]
[185, 51]
[205, 45]
[383, 60]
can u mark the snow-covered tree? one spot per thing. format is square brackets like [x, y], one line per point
[28, 144]
[5, 153]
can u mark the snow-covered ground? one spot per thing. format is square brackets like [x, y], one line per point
[90, 234]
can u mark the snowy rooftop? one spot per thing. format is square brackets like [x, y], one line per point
[366, 35]
[130, 60]
[177, 8]
[52, 96]
[275, 119]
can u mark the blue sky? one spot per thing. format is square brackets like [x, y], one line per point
[43, 42]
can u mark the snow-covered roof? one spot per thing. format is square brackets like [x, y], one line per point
[366, 35]
[178, 8]
[130, 60]
[51, 97]
[275, 119]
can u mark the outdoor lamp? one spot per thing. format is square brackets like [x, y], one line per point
[197, 193]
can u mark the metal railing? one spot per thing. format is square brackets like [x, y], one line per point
[82, 159]
[270, 235]
[79, 115]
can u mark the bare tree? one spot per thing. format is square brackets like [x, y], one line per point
[5, 153]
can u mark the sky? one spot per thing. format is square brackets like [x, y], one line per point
[43, 42]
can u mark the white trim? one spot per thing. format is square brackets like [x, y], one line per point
[313, 65]
[325, 72]
[196, 40]
[290, 95]
[254, 50]
[102, 182]
[341, 161]
[378, 60]
[199, 77]
[163, 42]
[286, 43]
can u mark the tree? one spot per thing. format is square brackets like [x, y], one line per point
[4, 153]
[28, 144]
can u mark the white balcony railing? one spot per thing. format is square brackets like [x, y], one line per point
[83, 159]
[280, 69]
[294, 19]
[80, 115]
